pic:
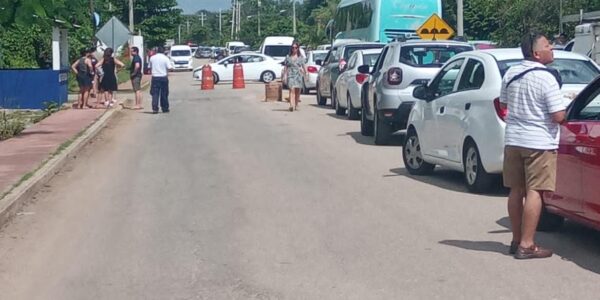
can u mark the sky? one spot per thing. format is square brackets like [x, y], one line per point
[192, 6]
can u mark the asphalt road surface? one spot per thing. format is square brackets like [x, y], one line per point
[229, 197]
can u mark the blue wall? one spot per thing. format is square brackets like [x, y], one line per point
[30, 88]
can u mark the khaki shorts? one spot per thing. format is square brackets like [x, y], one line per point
[136, 82]
[529, 168]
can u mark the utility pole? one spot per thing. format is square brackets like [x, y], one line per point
[459, 18]
[258, 18]
[179, 35]
[560, 19]
[220, 24]
[202, 16]
[188, 26]
[233, 17]
[294, 13]
[131, 16]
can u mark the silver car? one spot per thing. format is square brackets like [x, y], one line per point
[312, 68]
[400, 65]
[348, 86]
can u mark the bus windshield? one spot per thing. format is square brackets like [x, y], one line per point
[382, 20]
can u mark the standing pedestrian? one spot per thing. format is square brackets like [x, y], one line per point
[531, 91]
[136, 76]
[160, 65]
[294, 73]
[109, 80]
[84, 71]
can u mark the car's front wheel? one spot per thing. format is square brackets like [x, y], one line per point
[413, 157]
[339, 110]
[215, 78]
[267, 76]
[366, 125]
[320, 99]
[383, 131]
[476, 178]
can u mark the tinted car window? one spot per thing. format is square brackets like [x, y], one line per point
[443, 83]
[317, 56]
[181, 53]
[349, 50]
[473, 76]
[370, 59]
[277, 50]
[380, 59]
[433, 56]
[592, 110]
[572, 71]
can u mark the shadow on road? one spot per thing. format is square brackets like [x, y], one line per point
[572, 242]
[449, 180]
[343, 118]
[327, 107]
[396, 140]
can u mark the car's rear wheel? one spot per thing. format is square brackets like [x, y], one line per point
[413, 157]
[267, 76]
[320, 99]
[353, 113]
[382, 132]
[476, 178]
[339, 110]
[333, 97]
[549, 221]
[215, 78]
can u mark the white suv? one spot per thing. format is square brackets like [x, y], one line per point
[458, 123]
[385, 104]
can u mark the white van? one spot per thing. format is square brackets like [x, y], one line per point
[181, 56]
[231, 46]
[278, 47]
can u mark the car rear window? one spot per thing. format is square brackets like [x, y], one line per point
[351, 49]
[572, 71]
[181, 53]
[277, 50]
[429, 56]
[317, 56]
[370, 59]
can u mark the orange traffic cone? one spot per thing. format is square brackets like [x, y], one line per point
[208, 81]
[238, 77]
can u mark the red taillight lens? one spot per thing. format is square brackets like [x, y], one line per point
[501, 112]
[342, 64]
[360, 78]
[312, 69]
[394, 76]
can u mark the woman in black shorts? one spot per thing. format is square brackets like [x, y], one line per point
[83, 71]
[109, 80]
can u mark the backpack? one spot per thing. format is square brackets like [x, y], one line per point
[552, 71]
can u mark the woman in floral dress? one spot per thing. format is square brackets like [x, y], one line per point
[294, 72]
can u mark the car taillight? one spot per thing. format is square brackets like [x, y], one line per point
[360, 78]
[394, 76]
[342, 64]
[312, 69]
[501, 112]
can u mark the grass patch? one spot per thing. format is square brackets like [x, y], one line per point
[13, 122]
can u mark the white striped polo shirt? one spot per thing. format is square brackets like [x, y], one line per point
[531, 101]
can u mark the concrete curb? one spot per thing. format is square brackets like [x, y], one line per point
[14, 200]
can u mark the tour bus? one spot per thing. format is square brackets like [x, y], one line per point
[382, 20]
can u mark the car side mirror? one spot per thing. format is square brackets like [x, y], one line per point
[319, 62]
[422, 92]
[364, 69]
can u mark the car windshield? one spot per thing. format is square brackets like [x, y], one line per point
[181, 53]
[433, 56]
[319, 56]
[277, 50]
[370, 59]
[351, 49]
[572, 71]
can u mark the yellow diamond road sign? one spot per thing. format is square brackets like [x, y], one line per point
[435, 29]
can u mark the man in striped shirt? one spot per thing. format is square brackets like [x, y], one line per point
[536, 107]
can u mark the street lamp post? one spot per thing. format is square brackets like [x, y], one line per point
[131, 16]
[459, 18]
[259, 18]
[294, 15]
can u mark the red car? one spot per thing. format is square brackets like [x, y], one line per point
[577, 195]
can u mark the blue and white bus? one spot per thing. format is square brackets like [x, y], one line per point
[382, 20]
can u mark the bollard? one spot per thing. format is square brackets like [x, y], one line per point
[238, 76]
[208, 81]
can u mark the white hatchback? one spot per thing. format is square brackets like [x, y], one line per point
[458, 123]
[349, 84]
[310, 78]
[257, 67]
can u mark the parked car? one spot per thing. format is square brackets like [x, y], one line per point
[257, 67]
[240, 49]
[458, 122]
[324, 47]
[312, 68]
[577, 195]
[334, 63]
[348, 86]
[386, 103]
[203, 52]
[181, 56]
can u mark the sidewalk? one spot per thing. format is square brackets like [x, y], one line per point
[24, 153]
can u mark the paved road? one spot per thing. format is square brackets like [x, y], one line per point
[228, 197]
